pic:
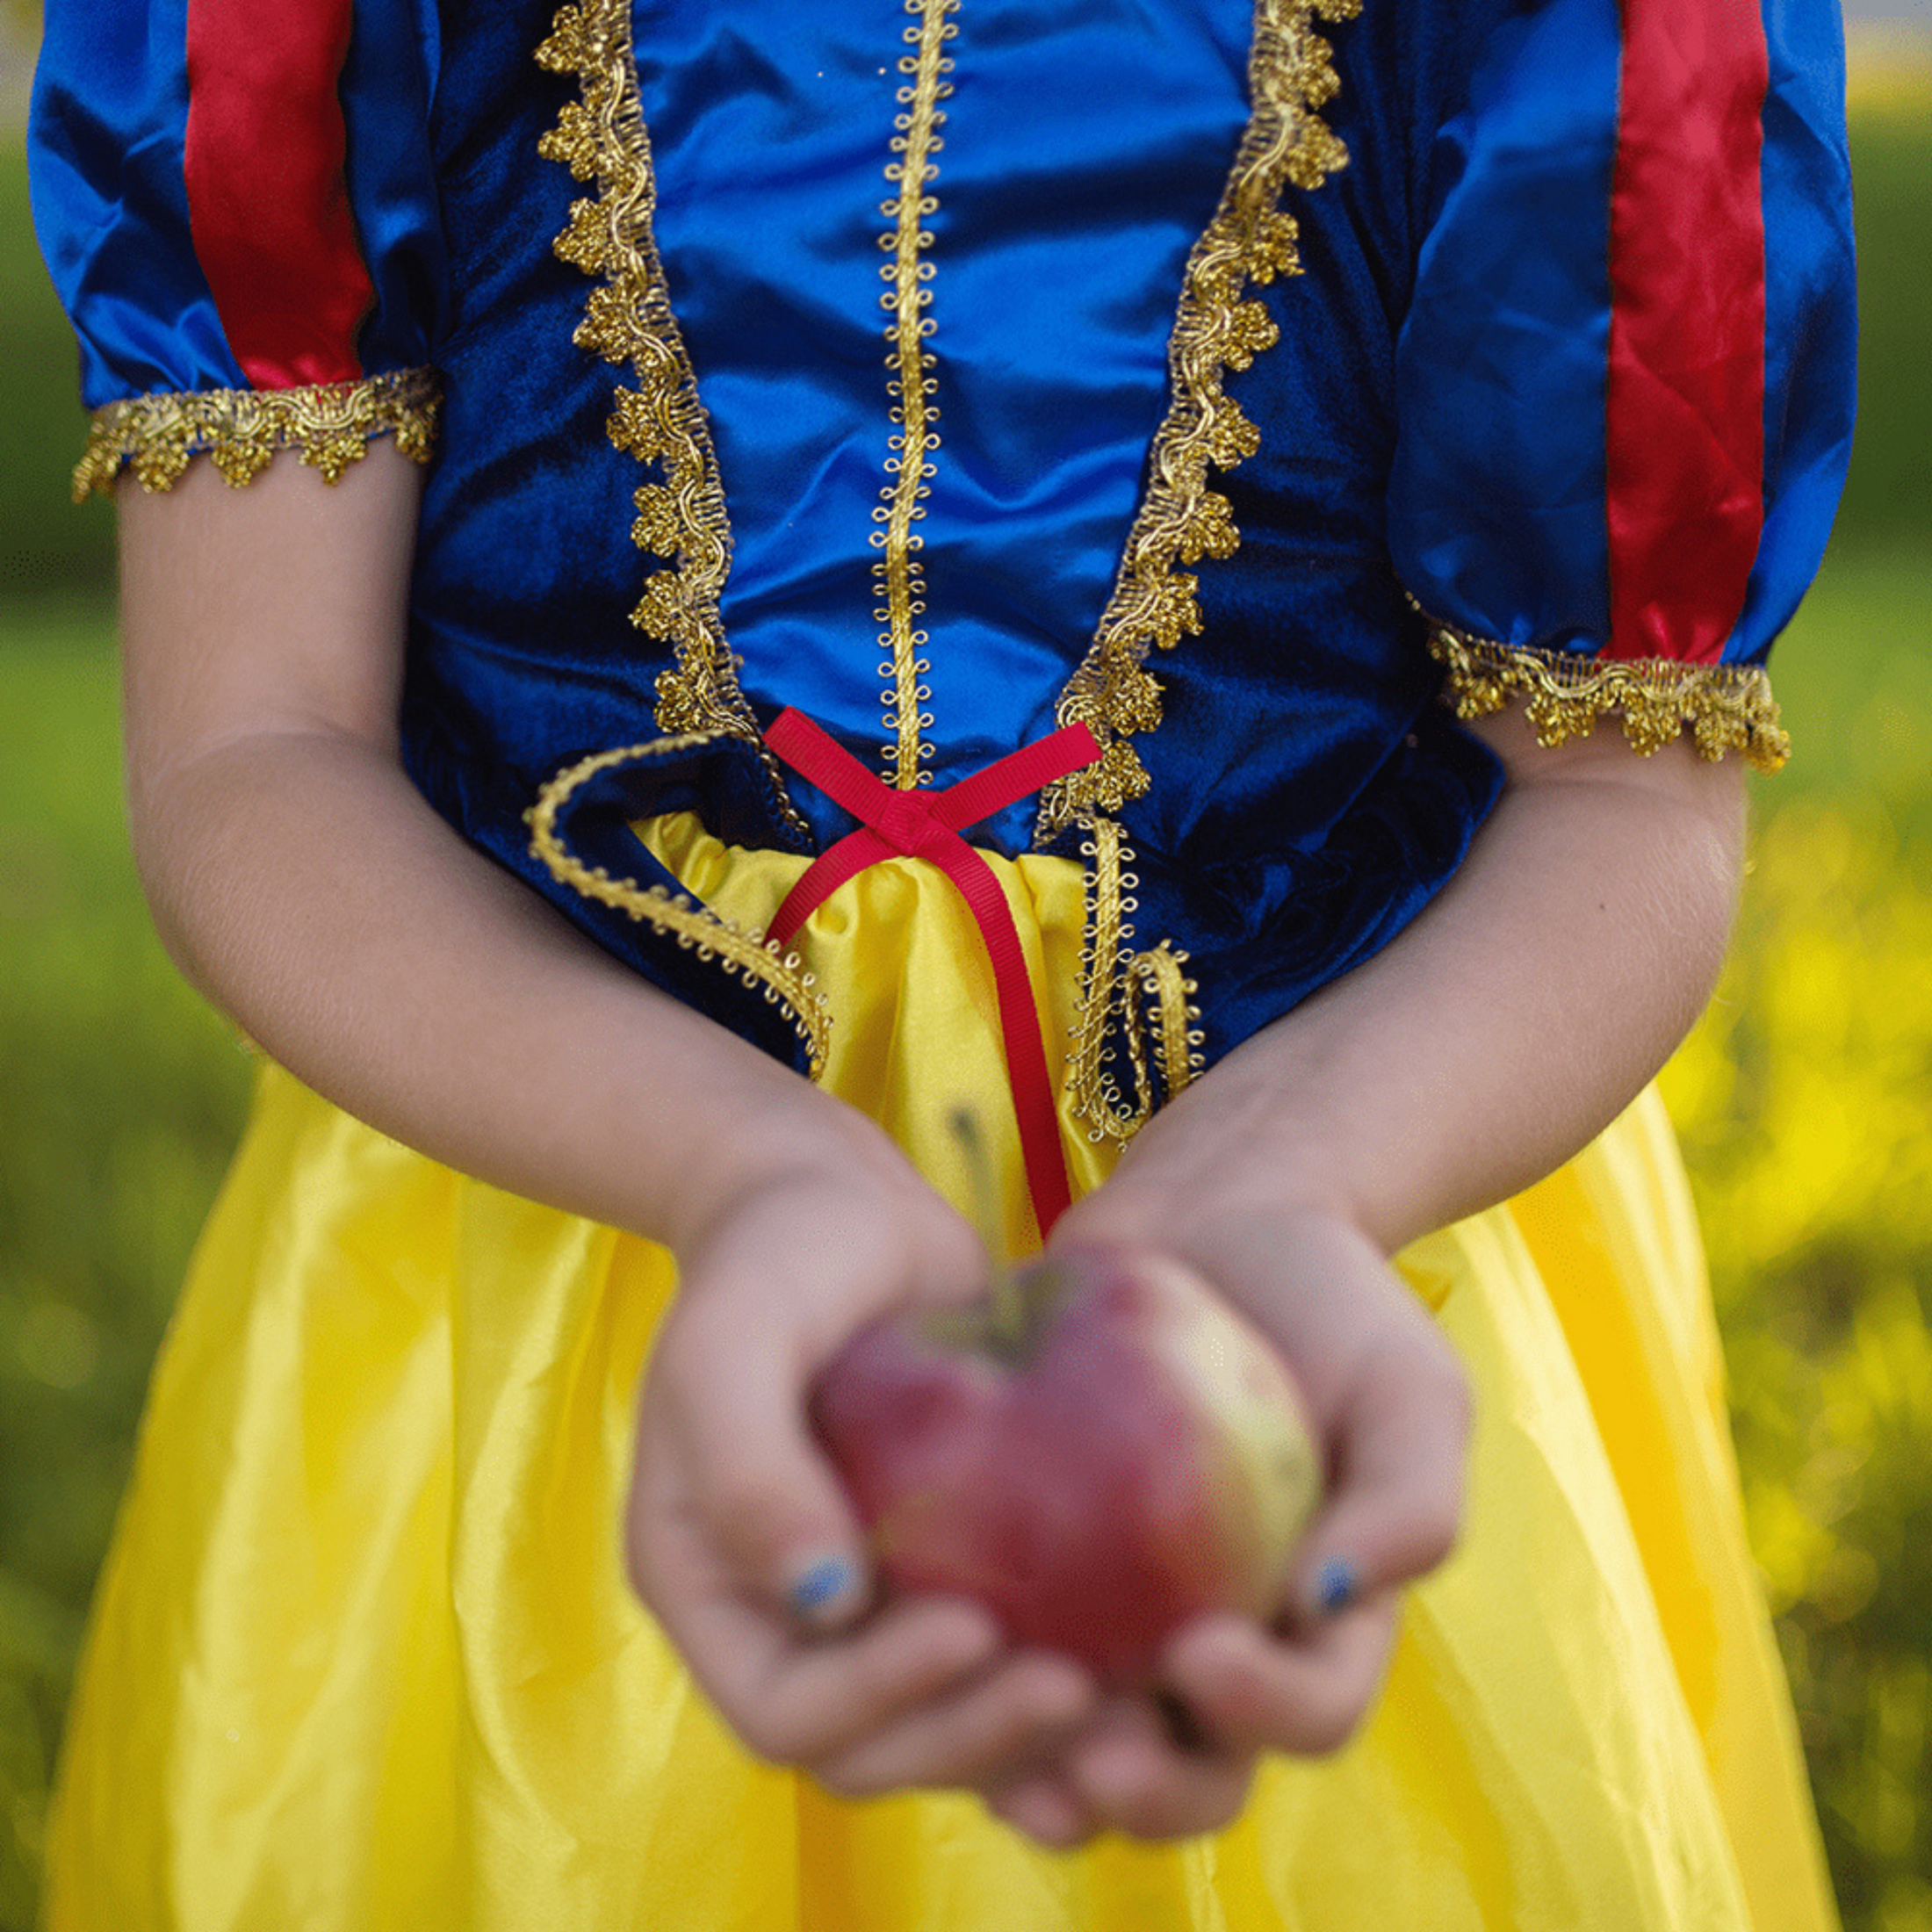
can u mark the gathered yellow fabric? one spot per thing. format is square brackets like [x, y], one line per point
[363, 1654]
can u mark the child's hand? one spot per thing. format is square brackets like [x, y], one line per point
[741, 1540]
[745, 1547]
[1386, 1399]
[1418, 1088]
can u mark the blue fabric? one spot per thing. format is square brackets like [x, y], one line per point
[1497, 491]
[386, 88]
[1809, 322]
[107, 135]
[1435, 394]
[109, 121]
[1059, 239]
[1292, 827]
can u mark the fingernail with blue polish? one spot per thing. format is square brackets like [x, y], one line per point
[818, 1590]
[1335, 1586]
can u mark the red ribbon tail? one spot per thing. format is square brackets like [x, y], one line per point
[831, 870]
[1039, 1119]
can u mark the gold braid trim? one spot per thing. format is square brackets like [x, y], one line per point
[1175, 1019]
[330, 424]
[780, 975]
[901, 581]
[1217, 327]
[628, 319]
[1725, 707]
[1111, 972]
[1180, 520]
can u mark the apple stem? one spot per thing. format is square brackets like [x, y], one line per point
[1007, 1310]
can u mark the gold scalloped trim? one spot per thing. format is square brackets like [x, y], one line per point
[779, 975]
[600, 137]
[1724, 707]
[331, 426]
[1217, 329]
[908, 465]
[1111, 973]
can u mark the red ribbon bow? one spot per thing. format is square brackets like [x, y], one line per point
[926, 825]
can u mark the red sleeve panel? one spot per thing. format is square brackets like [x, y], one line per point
[1684, 461]
[267, 197]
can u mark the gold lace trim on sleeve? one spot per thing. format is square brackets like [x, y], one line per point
[1724, 707]
[329, 424]
[1251, 240]
[628, 319]
[779, 975]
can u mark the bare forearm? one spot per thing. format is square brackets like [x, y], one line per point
[1520, 1014]
[303, 885]
[306, 886]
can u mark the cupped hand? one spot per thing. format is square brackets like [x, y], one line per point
[1387, 1399]
[741, 1540]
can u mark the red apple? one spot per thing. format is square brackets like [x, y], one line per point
[1106, 1452]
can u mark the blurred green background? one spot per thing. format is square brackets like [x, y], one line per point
[1805, 1098]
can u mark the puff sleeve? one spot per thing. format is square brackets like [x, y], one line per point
[237, 204]
[1624, 383]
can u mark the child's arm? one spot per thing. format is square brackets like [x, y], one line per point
[1490, 1043]
[303, 883]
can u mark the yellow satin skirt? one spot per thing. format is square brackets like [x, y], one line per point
[364, 1657]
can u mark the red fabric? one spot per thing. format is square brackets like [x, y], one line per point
[1684, 460]
[268, 205]
[926, 825]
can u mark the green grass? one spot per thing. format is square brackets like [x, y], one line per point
[1854, 677]
[44, 546]
[1889, 496]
